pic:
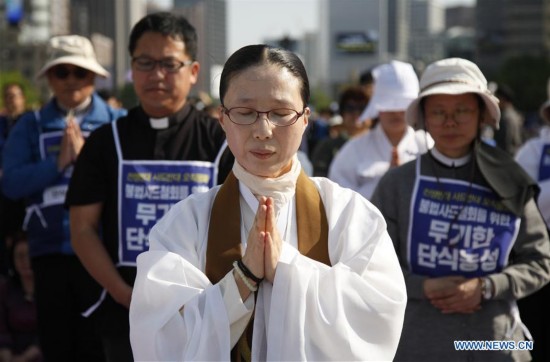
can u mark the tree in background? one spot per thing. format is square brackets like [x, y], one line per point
[528, 77]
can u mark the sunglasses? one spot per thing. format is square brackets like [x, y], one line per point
[62, 72]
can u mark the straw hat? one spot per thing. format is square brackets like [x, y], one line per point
[72, 49]
[395, 87]
[454, 76]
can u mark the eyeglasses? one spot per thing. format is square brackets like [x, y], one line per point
[170, 65]
[63, 72]
[280, 117]
[460, 116]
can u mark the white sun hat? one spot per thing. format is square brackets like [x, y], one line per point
[395, 87]
[72, 49]
[454, 76]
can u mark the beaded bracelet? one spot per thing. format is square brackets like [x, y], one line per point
[243, 277]
[248, 273]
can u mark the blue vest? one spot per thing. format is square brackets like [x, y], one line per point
[544, 165]
[147, 189]
[458, 228]
[47, 220]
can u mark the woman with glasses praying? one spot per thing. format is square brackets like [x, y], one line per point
[272, 265]
[38, 162]
[464, 222]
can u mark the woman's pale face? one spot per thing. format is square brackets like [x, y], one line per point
[453, 121]
[393, 122]
[262, 148]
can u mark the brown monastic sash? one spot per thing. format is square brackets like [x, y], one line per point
[224, 236]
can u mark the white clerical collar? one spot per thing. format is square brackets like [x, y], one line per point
[159, 123]
[451, 162]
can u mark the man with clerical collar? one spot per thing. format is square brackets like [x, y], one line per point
[131, 172]
[38, 162]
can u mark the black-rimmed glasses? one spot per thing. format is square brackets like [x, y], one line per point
[460, 116]
[280, 117]
[170, 65]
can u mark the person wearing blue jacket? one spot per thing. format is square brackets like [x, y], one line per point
[38, 160]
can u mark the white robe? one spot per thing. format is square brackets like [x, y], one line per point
[351, 311]
[363, 160]
[529, 157]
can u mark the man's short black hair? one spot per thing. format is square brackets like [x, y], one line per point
[167, 24]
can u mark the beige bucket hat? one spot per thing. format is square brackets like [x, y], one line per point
[72, 49]
[454, 76]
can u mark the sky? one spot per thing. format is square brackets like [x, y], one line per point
[252, 21]
[278, 18]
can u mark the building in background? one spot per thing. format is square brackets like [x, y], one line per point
[427, 27]
[109, 33]
[209, 19]
[23, 37]
[357, 35]
[509, 28]
[353, 35]
[106, 22]
[43, 19]
[463, 16]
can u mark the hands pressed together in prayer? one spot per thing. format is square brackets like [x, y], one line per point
[264, 245]
[454, 294]
[71, 144]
